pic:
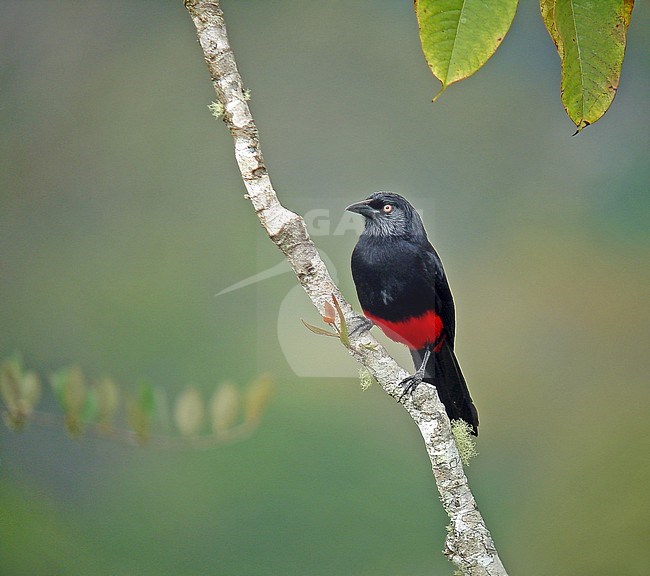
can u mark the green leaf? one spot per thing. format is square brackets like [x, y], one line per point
[146, 398]
[90, 409]
[108, 397]
[547, 8]
[590, 40]
[257, 397]
[459, 36]
[19, 392]
[319, 331]
[343, 328]
[224, 407]
[140, 411]
[189, 411]
[74, 393]
[10, 377]
[58, 381]
[30, 389]
[70, 389]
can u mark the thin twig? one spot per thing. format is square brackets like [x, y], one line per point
[469, 544]
[133, 438]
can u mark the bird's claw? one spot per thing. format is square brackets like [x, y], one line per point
[410, 383]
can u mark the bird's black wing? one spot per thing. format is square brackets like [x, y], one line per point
[444, 302]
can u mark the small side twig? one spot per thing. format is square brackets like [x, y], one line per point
[165, 442]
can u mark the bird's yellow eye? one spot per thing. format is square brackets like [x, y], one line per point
[388, 208]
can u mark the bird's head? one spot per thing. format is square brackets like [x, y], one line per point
[389, 214]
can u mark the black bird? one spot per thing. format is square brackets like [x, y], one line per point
[402, 288]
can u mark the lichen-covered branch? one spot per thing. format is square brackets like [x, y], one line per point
[469, 544]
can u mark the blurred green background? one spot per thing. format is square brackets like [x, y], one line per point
[122, 216]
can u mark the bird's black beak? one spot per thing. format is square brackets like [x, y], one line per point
[363, 208]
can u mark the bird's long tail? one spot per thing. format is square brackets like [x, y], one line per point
[444, 373]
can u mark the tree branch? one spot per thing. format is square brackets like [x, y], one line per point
[469, 544]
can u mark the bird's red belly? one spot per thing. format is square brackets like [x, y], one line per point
[416, 332]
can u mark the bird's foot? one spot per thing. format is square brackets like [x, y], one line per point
[359, 324]
[410, 383]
